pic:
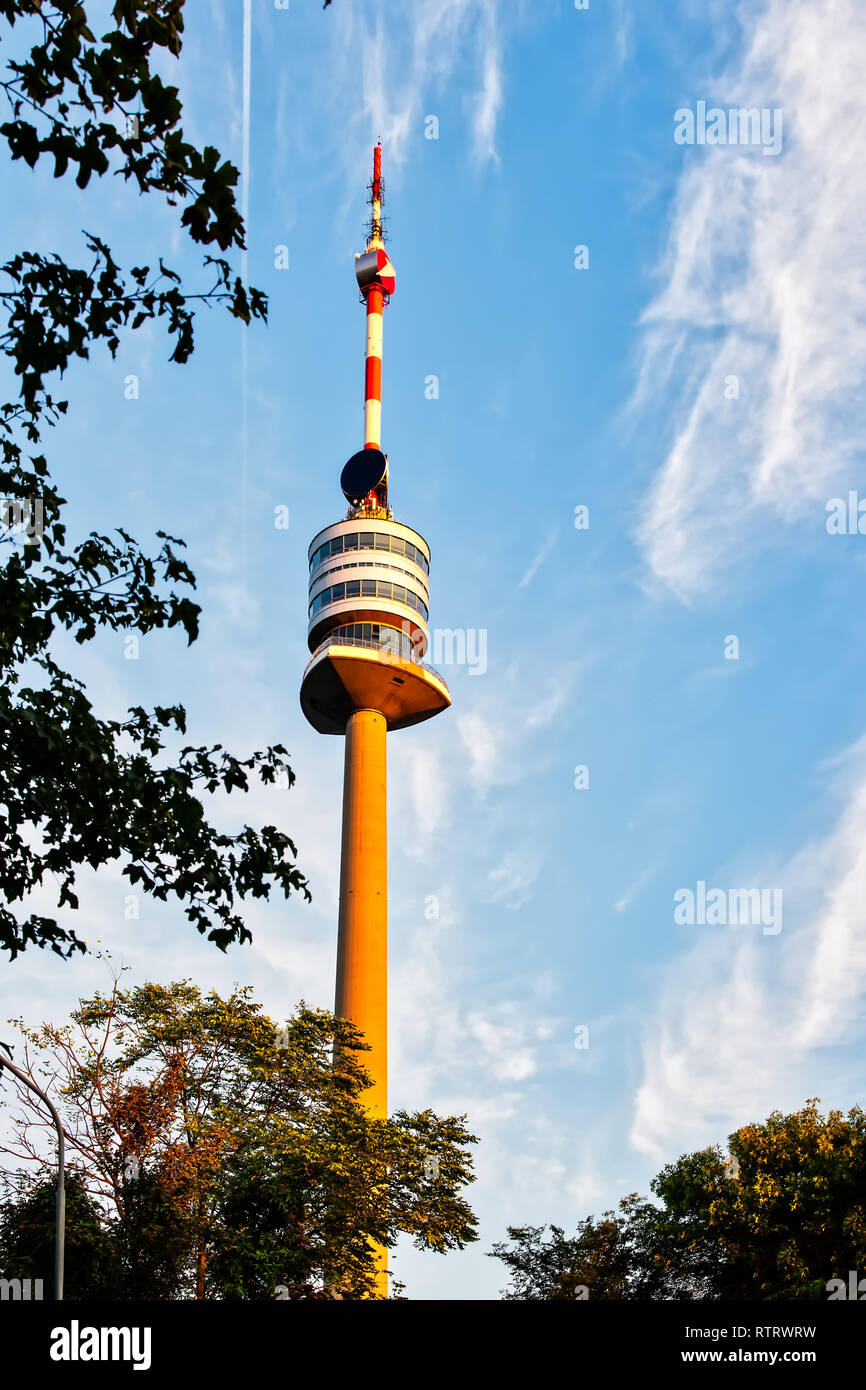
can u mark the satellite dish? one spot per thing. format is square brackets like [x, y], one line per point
[364, 472]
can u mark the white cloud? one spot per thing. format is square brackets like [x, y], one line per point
[511, 879]
[623, 32]
[745, 1023]
[764, 278]
[405, 65]
[423, 774]
[503, 1044]
[491, 96]
[554, 695]
[480, 739]
[501, 726]
[632, 892]
[236, 604]
[459, 1058]
[537, 561]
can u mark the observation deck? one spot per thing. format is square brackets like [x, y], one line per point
[368, 615]
[348, 673]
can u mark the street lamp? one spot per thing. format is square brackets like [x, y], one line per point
[60, 1218]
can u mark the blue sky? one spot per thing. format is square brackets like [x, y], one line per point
[608, 387]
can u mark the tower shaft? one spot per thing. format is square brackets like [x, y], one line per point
[362, 941]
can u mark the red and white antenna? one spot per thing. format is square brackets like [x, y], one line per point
[375, 275]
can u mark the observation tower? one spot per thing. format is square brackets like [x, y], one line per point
[368, 632]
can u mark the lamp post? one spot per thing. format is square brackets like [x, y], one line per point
[60, 1217]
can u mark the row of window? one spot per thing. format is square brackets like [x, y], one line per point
[370, 540]
[367, 564]
[387, 639]
[367, 588]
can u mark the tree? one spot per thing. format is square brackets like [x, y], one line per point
[27, 1233]
[781, 1220]
[76, 789]
[633, 1252]
[227, 1156]
[793, 1217]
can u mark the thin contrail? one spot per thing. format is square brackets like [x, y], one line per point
[245, 155]
[245, 213]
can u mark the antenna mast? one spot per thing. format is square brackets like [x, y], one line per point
[375, 275]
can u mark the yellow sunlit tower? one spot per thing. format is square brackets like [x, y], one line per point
[368, 630]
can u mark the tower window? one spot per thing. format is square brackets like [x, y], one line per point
[369, 540]
[369, 588]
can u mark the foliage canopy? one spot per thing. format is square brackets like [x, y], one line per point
[76, 789]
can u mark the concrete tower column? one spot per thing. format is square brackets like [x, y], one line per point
[368, 613]
[362, 943]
